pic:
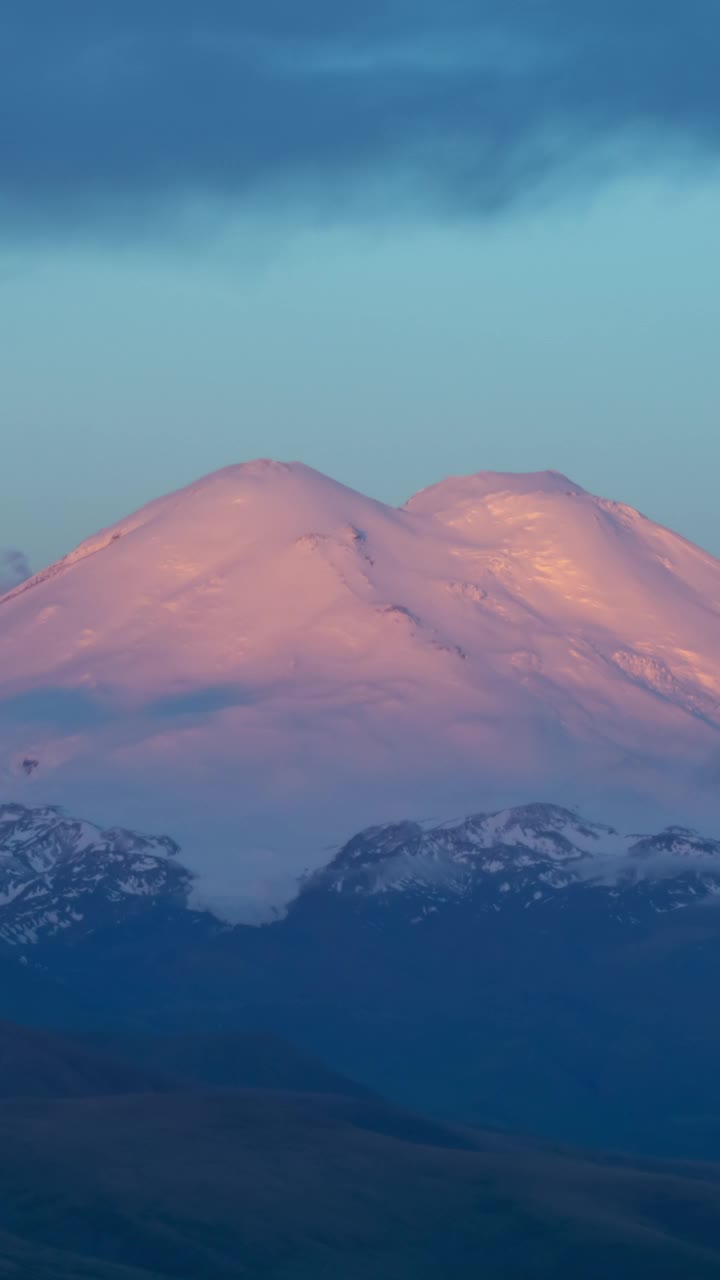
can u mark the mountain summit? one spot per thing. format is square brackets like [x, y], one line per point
[267, 659]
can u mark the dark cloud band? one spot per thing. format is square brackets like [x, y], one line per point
[111, 112]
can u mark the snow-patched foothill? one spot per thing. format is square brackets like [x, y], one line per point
[63, 880]
[532, 856]
[64, 876]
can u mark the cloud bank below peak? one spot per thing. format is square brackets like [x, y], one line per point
[125, 114]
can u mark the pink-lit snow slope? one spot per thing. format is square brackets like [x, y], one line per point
[264, 661]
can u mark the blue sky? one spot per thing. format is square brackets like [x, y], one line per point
[393, 240]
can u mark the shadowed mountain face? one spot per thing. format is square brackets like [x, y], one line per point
[525, 968]
[279, 1187]
[39, 1064]
[267, 660]
[114, 1172]
[225, 1060]
[43, 1064]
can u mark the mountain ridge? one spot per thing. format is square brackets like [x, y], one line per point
[477, 969]
[63, 880]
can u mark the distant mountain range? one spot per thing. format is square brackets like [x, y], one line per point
[526, 968]
[267, 661]
[66, 879]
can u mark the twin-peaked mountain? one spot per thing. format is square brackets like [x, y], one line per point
[267, 661]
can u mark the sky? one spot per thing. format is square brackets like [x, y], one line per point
[395, 240]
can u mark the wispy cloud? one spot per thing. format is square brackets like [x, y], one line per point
[14, 569]
[119, 113]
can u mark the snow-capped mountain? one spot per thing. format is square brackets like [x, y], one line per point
[59, 876]
[267, 660]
